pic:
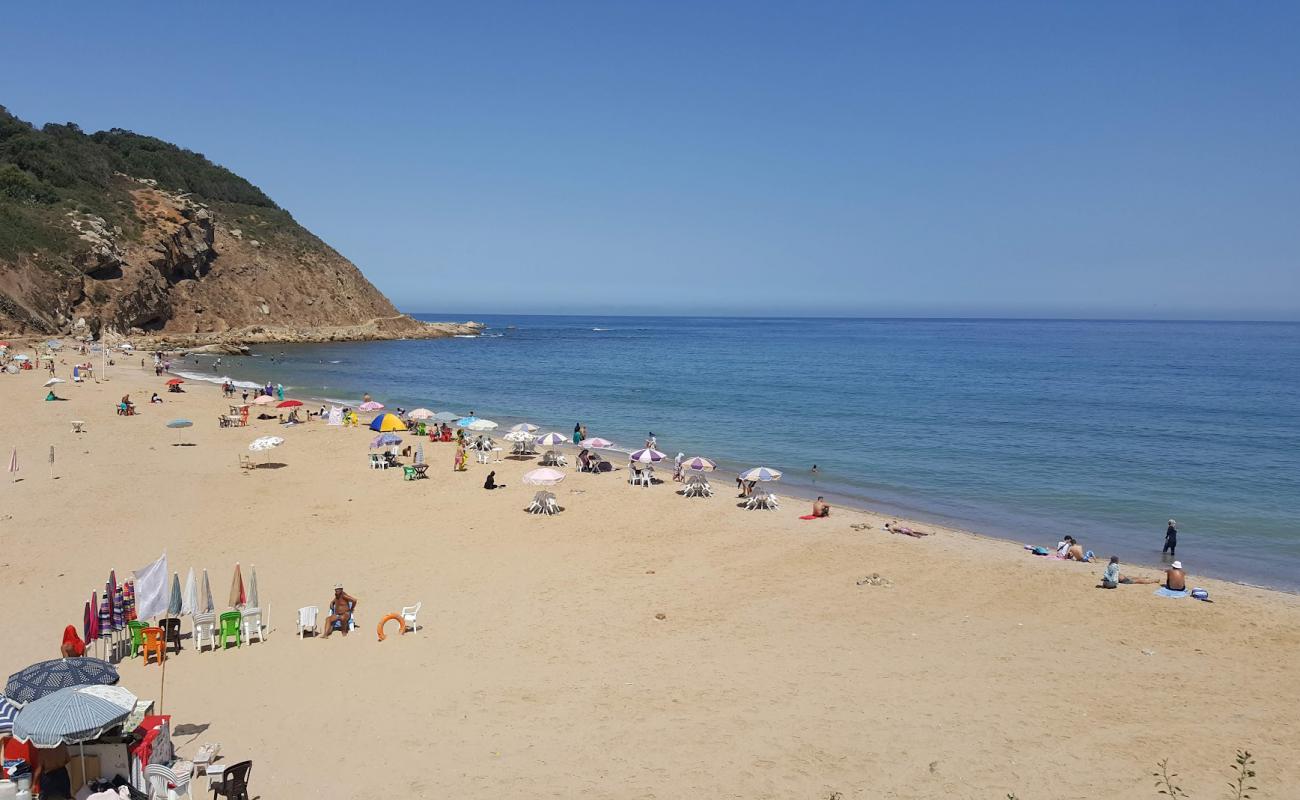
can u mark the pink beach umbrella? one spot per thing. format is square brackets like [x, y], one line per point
[598, 443]
[264, 400]
[545, 476]
[370, 405]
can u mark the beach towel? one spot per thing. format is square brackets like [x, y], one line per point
[1164, 592]
[810, 516]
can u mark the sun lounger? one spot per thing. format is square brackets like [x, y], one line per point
[697, 486]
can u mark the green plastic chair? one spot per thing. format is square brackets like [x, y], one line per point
[229, 626]
[136, 628]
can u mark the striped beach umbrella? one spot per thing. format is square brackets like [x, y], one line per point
[74, 714]
[524, 427]
[699, 464]
[8, 711]
[761, 474]
[47, 677]
[647, 456]
[552, 439]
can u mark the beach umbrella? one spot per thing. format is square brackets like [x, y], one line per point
[370, 405]
[526, 427]
[265, 443]
[237, 597]
[73, 714]
[105, 618]
[387, 422]
[699, 464]
[647, 456]
[190, 597]
[552, 439]
[481, 425]
[208, 606]
[544, 476]
[53, 381]
[175, 382]
[264, 400]
[288, 404]
[386, 440]
[518, 436]
[8, 711]
[174, 601]
[126, 346]
[420, 414]
[761, 474]
[179, 425]
[597, 443]
[54, 344]
[445, 416]
[419, 454]
[128, 601]
[47, 677]
[252, 587]
[13, 463]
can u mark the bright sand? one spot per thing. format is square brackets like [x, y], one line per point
[542, 670]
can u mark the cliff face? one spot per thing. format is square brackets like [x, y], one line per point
[86, 248]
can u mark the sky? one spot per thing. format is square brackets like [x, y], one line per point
[1134, 159]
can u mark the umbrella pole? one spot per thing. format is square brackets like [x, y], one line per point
[162, 682]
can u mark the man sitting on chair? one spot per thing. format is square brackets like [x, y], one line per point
[342, 606]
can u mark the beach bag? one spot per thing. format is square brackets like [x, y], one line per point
[1201, 594]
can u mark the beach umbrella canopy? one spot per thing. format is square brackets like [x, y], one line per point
[481, 425]
[207, 606]
[518, 436]
[465, 422]
[552, 439]
[761, 474]
[174, 601]
[72, 715]
[264, 400]
[544, 476]
[699, 464]
[8, 711]
[179, 423]
[387, 422]
[288, 404]
[370, 405]
[47, 677]
[252, 587]
[237, 597]
[22, 357]
[175, 382]
[420, 413]
[597, 442]
[647, 456]
[190, 599]
[265, 443]
[126, 346]
[386, 440]
[53, 381]
[526, 427]
[445, 416]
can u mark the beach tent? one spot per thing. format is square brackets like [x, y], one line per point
[387, 422]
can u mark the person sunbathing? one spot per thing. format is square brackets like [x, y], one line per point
[1112, 578]
[894, 527]
[820, 508]
[342, 604]
[1175, 578]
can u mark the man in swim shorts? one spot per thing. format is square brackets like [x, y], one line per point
[342, 605]
[1175, 578]
[820, 509]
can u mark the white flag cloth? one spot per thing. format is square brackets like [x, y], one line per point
[336, 415]
[151, 594]
[190, 599]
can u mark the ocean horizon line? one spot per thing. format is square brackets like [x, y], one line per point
[853, 318]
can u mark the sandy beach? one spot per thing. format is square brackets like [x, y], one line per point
[544, 669]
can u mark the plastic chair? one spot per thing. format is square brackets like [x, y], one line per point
[171, 631]
[409, 614]
[234, 782]
[166, 782]
[307, 620]
[205, 627]
[229, 628]
[154, 643]
[136, 628]
[251, 625]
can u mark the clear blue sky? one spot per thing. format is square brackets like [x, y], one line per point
[1036, 158]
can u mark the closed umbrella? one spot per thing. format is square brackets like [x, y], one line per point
[190, 598]
[237, 597]
[552, 439]
[647, 456]
[8, 711]
[419, 454]
[252, 587]
[13, 463]
[174, 600]
[207, 605]
[74, 714]
[544, 476]
[761, 474]
[47, 677]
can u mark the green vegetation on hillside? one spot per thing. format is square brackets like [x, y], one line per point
[49, 171]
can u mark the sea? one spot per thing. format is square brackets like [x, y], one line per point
[1021, 429]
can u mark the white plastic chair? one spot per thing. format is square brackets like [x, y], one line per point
[409, 614]
[161, 778]
[307, 620]
[251, 624]
[205, 627]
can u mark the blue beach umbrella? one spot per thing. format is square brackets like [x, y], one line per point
[8, 711]
[465, 422]
[73, 714]
[47, 677]
[179, 425]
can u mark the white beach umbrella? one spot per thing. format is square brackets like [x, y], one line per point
[481, 425]
[525, 427]
[190, 597]
[264, 443]
[420, 413]
[445, 416]
[544, 476]
[518, 436]
[552, 439]
[761, 474]
[53, 381]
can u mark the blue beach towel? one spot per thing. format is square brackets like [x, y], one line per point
[1163, 592]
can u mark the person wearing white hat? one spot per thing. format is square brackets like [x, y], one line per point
[1175, 578]
[1171, 540]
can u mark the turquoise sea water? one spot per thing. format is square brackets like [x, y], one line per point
[1021, 429]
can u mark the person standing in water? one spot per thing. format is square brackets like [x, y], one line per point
[1171, 540]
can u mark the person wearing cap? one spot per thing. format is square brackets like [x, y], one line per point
[342, 605]
[1175, 578]
[1171, 540]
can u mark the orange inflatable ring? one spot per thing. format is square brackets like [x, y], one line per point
[394, 618]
